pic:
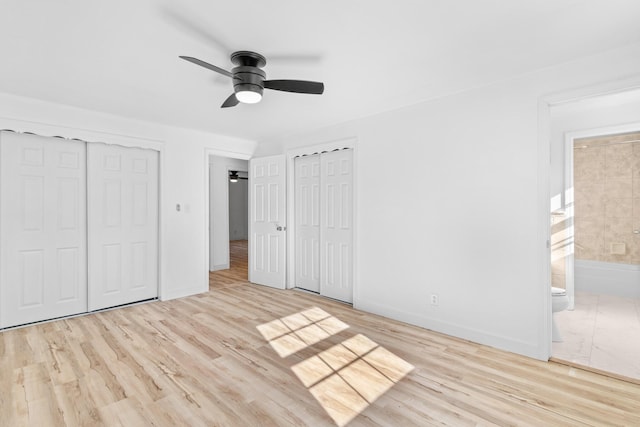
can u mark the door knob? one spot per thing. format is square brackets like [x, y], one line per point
[280, 228]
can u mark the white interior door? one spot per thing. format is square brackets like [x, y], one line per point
[43, 227]
[122, 225]
[336, 229]
[267, 222]
[307, 222]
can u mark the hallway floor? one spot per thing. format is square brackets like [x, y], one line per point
[603, 332]
[238, 271]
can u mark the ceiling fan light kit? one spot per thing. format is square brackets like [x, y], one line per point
[249, 79]
[249, 96]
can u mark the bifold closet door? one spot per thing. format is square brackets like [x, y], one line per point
[336, 225]
[307, 222]
[43, 227]
[122, 225]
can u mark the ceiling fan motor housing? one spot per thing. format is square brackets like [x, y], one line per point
[248, 78]
[247, 75]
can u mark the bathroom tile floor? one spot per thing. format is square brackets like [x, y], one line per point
[603, 332]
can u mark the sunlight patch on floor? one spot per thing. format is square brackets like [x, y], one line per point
[346, 378]
[290, 334]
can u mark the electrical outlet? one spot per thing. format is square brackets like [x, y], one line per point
[434, 299]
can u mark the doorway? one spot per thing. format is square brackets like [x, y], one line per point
[227, 220]
[595, 250]
[239, 224]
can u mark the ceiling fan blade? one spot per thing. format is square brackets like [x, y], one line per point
[231, 101]
[298, 86]
[294, 58]
[207, 65]
[187, 21]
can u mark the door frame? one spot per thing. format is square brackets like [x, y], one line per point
[544, 190]
[338, 144]
[207, 191]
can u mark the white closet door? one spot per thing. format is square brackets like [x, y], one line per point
[307, 222]
[267, 221]
[122, 225]
[43, 228]
[336, 230]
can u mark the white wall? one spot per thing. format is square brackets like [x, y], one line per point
[219, 208]
[183, 177]
[239, 210]
[467, 222]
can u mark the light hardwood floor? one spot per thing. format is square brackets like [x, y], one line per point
[248, 355]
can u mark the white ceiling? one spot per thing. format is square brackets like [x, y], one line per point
[121, 56]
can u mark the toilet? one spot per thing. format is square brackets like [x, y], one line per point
[559, 302]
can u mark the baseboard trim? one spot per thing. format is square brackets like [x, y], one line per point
[181, 293]
[500, 342]
[220, 267]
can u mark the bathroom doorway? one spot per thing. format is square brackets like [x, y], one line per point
[595, 232]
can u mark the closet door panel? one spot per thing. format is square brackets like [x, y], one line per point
[43, 225]
[336, 230]
[123, 225]
[307, 222]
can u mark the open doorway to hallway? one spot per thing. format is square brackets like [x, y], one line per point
[228, 221]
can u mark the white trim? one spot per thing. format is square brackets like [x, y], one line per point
[526, 348]
[608, 278]
[603, 131]
[181, 293]
[569, 212]
[338, 144]
[544, 227]
[606, 88]
[225, 227]
[544, 192]
[605, 265]
[87, 135]
[208, 152]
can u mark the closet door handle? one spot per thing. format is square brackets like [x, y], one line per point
[280, 228]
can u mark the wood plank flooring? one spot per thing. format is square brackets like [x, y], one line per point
[248, 355]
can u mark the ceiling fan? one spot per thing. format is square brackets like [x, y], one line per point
[234, 177]
[249, 80]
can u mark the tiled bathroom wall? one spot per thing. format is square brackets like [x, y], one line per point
[606, 176]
